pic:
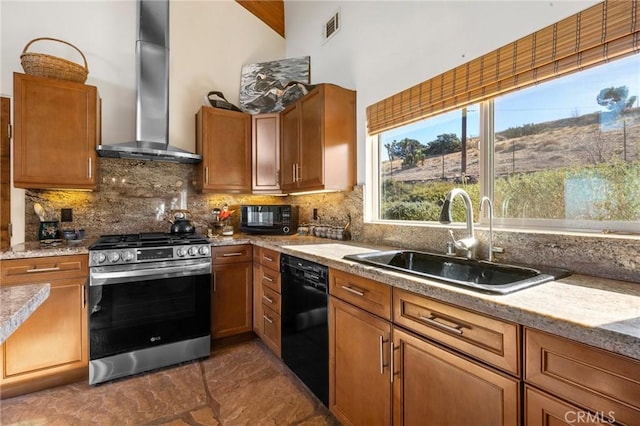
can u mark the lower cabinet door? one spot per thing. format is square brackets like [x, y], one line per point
[50, 347]
[436, 386]
[231, 299]
[271, 326]
[359, 365]
[542, 409]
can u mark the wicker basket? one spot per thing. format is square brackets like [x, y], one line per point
[42, 65]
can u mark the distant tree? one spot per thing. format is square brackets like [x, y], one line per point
[615, 99]
[444, 144]
[391, 150]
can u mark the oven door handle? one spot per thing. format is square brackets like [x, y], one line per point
[105, 278]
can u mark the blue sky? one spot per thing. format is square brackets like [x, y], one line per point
[549, 101]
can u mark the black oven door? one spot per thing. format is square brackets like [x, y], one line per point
[147, 305]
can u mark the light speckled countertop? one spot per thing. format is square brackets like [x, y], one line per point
[600, 312]
[36, 249]
[597, 311]
[17, 303]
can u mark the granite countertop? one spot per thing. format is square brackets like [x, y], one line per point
[18, 303]
[37, 249]
[600, 312]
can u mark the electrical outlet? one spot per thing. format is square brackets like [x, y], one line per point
[66, 215]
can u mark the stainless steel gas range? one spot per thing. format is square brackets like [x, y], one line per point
[149, 302]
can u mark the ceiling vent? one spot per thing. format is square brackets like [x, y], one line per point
[331, 27]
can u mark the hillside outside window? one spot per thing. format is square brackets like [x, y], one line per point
[563, 154]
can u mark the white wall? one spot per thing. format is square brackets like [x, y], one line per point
[384, 47]
[210, 41]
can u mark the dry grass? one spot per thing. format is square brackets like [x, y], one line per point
[554, 149]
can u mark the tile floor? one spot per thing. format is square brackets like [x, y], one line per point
[242, 384]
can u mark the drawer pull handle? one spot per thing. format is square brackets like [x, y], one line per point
[56, 268]
[268, 259]
[432, 320]
[267, 299]
[268, 319]
[237, 253]
[268, 278]
[353, 290]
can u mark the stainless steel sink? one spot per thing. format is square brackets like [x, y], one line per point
[473, 274]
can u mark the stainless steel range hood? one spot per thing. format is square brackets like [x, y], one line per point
[152, 84]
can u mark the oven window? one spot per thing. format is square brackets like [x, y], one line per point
[131, 316]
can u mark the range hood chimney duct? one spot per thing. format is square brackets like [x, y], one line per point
[152, 92]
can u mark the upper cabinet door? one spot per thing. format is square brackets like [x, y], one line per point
[311, 167]
[223, 138]
[265, 145]
[57, 129]
[318, 141]
[289, 149]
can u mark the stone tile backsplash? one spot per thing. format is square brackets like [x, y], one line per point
[136, 196]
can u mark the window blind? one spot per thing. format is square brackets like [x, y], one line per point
[603, 32]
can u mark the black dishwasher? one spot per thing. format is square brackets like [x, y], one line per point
[305, 332]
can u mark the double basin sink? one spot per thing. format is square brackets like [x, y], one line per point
[479, 275]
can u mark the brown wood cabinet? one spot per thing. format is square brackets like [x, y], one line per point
[407, 366]
[359, 365]
[265, 155]
[266, 297]
[602, 383]
[543, 409]
[318, 141]
[360, 349]
[56, 131]
[438, 386]
[223, 138]
[488, 339]
[5, 173]
[50, 348]
[232, 290]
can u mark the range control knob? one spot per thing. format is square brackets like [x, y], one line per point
[113, 256]
[99, 257]
[181, 252]
[193, 251]
[128, 256]
[204, 250]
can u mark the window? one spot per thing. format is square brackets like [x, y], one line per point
[421, 162]
[564, 154]
[567, 152]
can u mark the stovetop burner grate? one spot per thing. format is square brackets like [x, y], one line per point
[146, 239]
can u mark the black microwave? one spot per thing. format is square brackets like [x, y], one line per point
[281, 219]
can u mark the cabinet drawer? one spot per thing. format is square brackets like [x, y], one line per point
[488, 339]
[542, 409]
[369, 295]
[271, 327]
[44, 269]
[270, 298]
[270, 278]
[270, 258]
[231, 254]
[589, 377]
